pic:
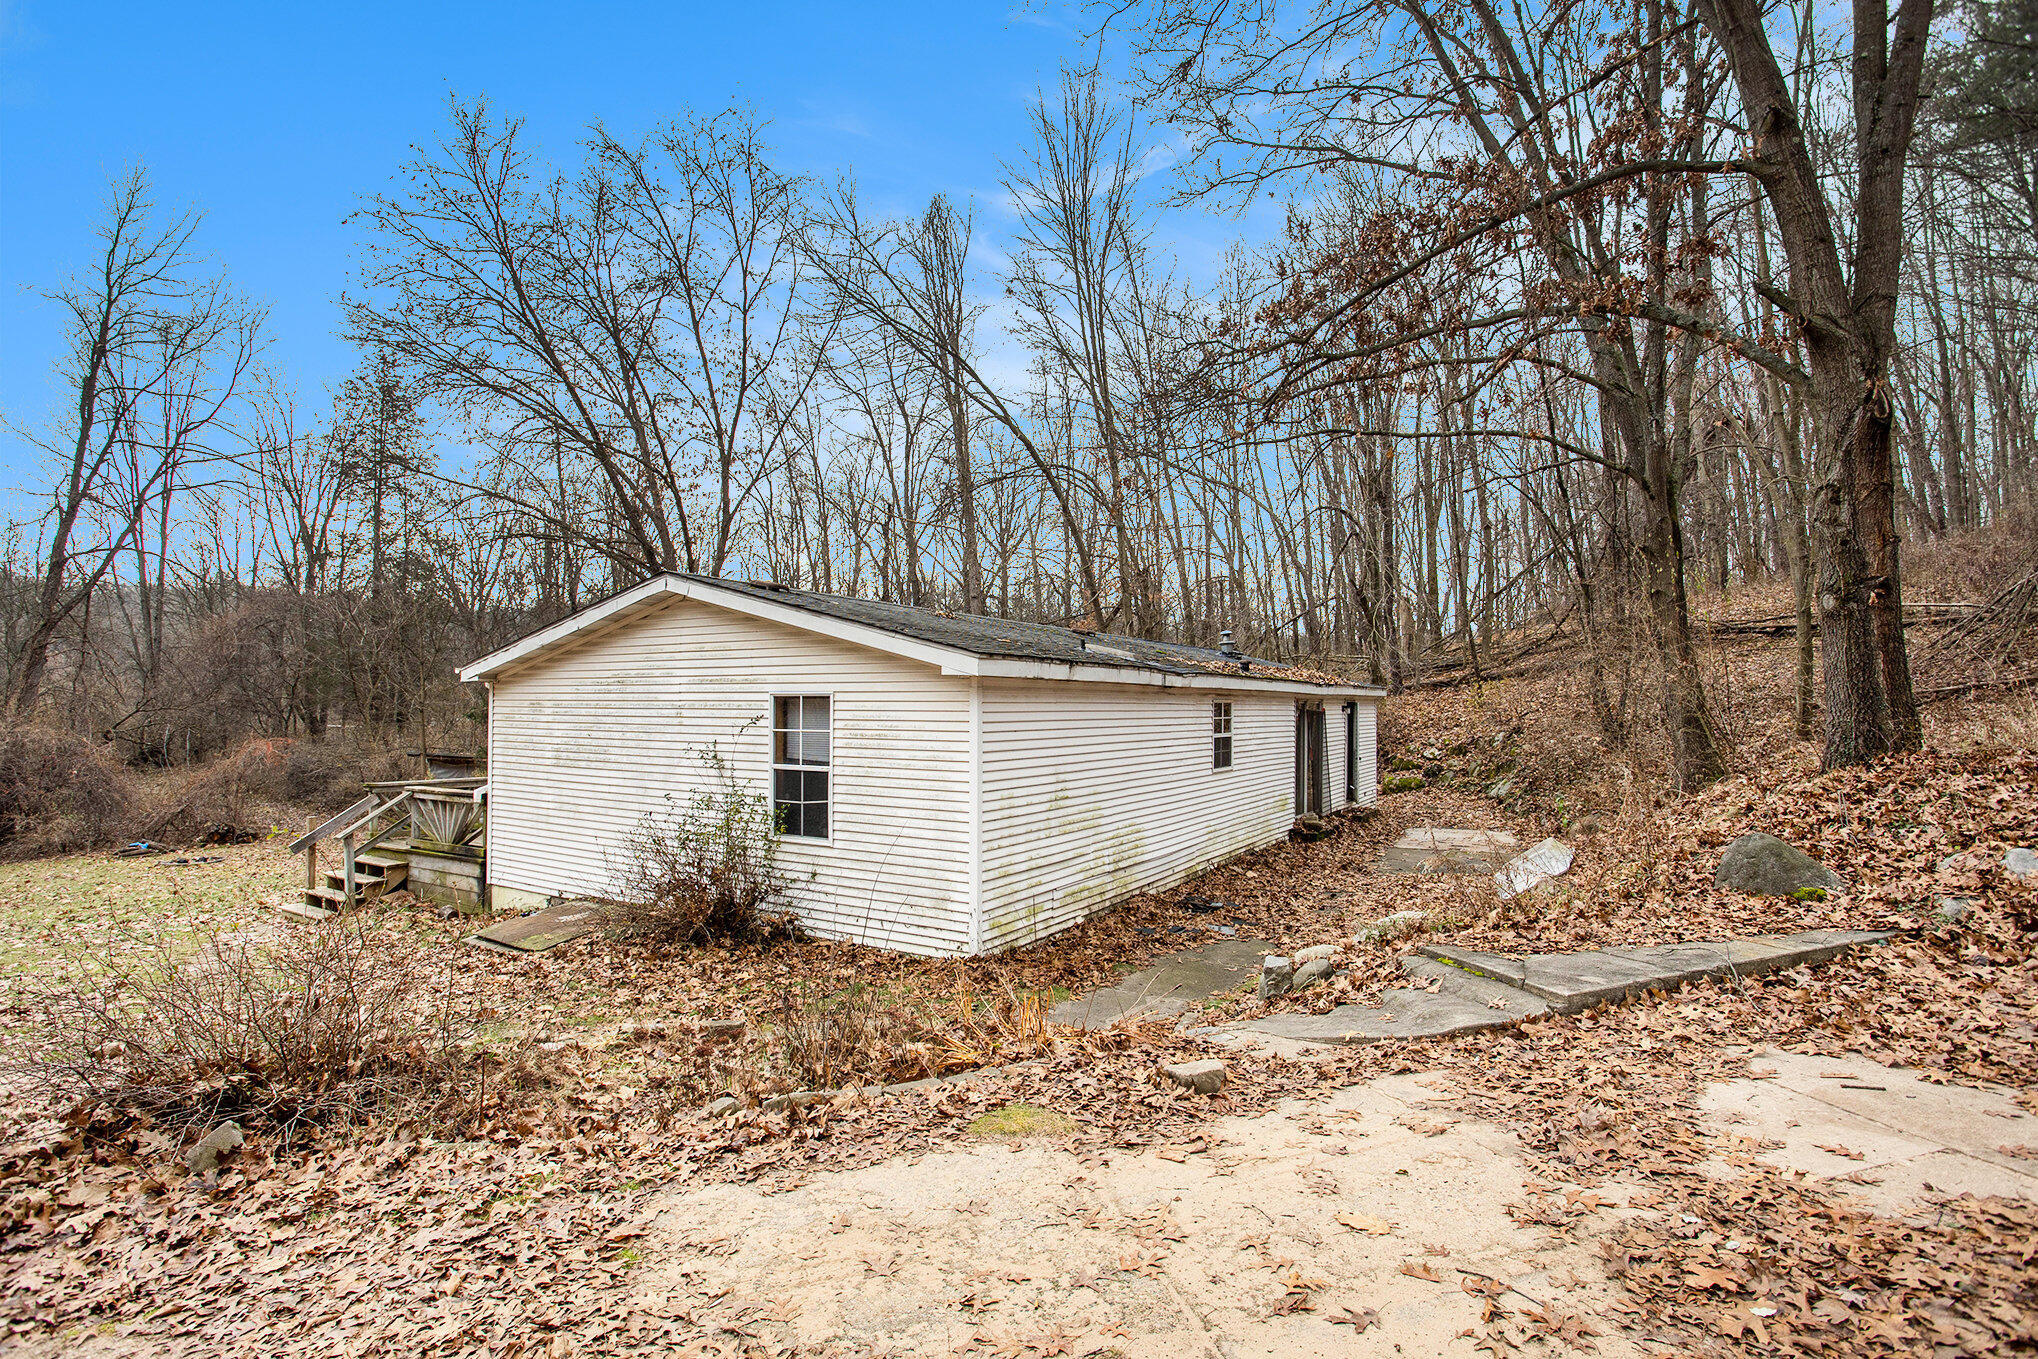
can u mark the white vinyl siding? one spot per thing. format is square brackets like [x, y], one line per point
[1095, 791]
[1365, 773]
[585, 740]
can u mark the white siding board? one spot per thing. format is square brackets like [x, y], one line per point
[1368, 773]
[586, 740]
[1094, 792]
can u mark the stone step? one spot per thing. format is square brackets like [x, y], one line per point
[1571, 982]
[1167, 987]
[1478, 990]
[1461, 1002]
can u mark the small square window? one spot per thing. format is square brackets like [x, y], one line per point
[1220, 735]
[802, 747]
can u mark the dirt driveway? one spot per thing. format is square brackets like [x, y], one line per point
[1371, 1223]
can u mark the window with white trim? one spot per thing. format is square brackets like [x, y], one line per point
[1220, 735]
[801, 747]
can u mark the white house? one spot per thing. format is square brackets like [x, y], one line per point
[945, 784]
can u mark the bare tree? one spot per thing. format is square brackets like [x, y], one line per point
[156, 355]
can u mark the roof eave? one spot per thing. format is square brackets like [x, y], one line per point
[1000, 667]
[949, 660]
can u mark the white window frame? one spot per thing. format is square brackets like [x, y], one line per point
[1222, 712]
[829, 768]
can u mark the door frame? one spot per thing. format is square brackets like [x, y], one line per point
[1309, 759]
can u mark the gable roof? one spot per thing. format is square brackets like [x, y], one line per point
[967, 644]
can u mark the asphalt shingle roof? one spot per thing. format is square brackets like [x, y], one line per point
[1006, 637]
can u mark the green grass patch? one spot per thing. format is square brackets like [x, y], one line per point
[1017, 1121]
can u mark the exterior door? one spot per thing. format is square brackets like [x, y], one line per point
[1308, 759]
[1351, 752]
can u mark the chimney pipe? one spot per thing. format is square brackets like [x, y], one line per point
[1224, 643]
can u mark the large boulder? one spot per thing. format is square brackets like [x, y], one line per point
[1764, 866]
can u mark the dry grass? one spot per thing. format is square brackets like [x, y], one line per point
[326, 1024]
[811, 1039]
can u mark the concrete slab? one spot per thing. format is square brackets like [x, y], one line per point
[1545, 860]
[1576, 981]
[1444, 849]
[1401, 1014]
[1168, 987]
[540, 930]
[1973, 1121]
[1494, 995]
[1889, 1134]
[1498, 966]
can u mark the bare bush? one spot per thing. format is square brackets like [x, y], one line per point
[327, 777]
[810, 1039]
[705, 868]
[325, 1026]
[59, 793]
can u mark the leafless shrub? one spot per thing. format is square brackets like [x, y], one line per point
[812, 1040]
[326, 777]
[59, 793]
[326, 1026]
[705, 868]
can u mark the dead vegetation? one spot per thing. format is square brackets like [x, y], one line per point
[703, 869]
[328, 1025]
[566, 1161]
[61, 793]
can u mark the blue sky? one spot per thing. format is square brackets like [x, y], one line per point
[275, 119]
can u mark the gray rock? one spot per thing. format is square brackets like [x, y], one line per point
[1310, 973]
[1390, 926]
[723, 1028]
[1277, 977]
[2022, 863]
[1313, 952]
[1205, 1078]
[1952, 910]
[203, 1158]
[797, 1099]
[724, 1105]
[1764, 866]
[1533, 867]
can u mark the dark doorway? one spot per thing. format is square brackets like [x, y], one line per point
[1351, 752]
[1309, 759]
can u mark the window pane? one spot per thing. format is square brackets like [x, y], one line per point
[785, 785]
[1222, 755]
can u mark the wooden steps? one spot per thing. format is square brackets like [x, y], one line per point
[377, 873]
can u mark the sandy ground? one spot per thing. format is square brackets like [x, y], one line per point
[996, 1246]
[1000, 1245]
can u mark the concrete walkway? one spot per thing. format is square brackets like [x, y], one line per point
[1169, 986]
[1463, 990]
[1882, 1133]
[1439, 849]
